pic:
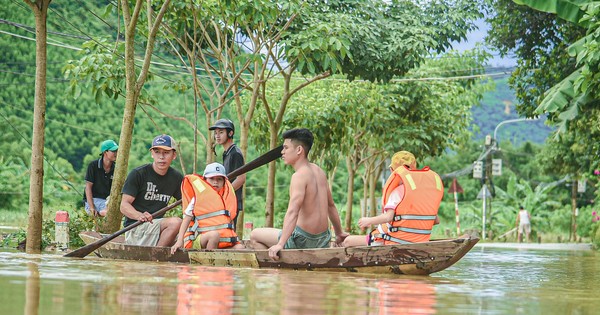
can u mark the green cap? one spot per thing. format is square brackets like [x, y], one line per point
[108, 145]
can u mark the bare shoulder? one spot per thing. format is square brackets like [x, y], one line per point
[316, 170]
[300, 175]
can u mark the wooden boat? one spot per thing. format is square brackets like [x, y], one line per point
[413, 259]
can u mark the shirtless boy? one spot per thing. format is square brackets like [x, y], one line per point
[311, 207]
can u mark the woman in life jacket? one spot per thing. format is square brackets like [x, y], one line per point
[210, 204]
[411, 198]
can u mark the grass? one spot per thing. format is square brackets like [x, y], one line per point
[19, 218]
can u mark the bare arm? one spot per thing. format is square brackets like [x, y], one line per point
[334, 217]
[239, 181]
[385, 217]
[297, 192]
[89, 197]
[129, 211]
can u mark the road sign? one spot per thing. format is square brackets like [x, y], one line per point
[496, 167]
[484, 191]
[455, 187]
[477, 169]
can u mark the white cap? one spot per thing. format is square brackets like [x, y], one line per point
[214, 169]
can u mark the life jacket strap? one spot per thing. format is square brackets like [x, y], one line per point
[189, 238]
[409, 230]
[231, 240]
[387, 237]
[216, 227]
[413, 217]
[212, 214]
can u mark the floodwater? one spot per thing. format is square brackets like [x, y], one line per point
[485, 281]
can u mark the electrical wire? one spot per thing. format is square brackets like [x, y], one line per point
[45, 158]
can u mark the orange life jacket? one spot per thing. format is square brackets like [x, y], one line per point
[415, 215]
[212, 211]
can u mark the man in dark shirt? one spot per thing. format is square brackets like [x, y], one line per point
[148, 189]
[232, 157]
[98, 179]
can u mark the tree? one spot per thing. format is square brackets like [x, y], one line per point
[363, 123]
[570, 87]
[36, 184]
[222, 46]
[375, 40]
[134, 83]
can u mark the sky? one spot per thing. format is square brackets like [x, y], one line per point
[478, 36]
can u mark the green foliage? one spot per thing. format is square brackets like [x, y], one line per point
[353, 37]
[564, 84]
[99, 68]
[595, 233]
[12, 185]
[375, 40]
[12, 240]
[78, 221]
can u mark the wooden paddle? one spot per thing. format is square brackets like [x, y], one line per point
[259, 161]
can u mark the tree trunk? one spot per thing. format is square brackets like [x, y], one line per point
[114, 215]
[372, 186]
[36, 175]
[134, 83]
[349, 193]
[364, 203]
[270, 202]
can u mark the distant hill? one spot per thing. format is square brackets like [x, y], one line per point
[498, 106]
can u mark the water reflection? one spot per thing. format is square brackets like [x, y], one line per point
[205, 291]
[484, 282]
[32, 288]
[406, 297]
[142, 289]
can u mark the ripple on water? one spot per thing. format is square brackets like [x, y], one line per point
[486, 281]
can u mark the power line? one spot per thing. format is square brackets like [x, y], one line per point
[393, 80]
[45, 159]
[31, 29]
[33, 39]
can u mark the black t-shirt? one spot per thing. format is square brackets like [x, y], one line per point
[102, 181]
[152, 191]
[232, 160]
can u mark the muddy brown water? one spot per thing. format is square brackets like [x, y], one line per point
[485, 281]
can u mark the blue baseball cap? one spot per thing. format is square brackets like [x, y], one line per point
[165, 142]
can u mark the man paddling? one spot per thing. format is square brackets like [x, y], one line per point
[149, 188]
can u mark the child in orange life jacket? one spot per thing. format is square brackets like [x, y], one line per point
[400, 159]
[214, 174]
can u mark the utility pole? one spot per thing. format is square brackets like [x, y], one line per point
[573, 234]
[489, 144]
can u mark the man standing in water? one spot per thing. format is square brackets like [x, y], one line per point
[311, 207]
[524, 224]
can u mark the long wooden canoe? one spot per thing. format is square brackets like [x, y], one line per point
[414, 259]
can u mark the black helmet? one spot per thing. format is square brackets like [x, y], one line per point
[223, 124]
